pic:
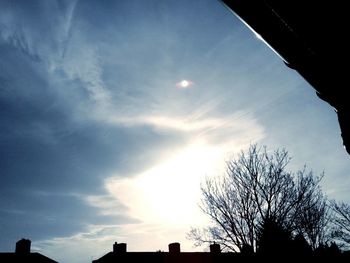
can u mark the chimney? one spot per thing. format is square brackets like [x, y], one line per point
[119, 248]
[174, 248]
[215, 248]
[23, 246]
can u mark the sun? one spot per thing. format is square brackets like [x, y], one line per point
[184, 84]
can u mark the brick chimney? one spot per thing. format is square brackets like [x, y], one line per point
[174, 248]
[23, 246]
[119, 248]
[215, 248]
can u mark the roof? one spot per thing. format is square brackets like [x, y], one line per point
[25, 258]
[215, 255]
[165, 257]
[310, 37]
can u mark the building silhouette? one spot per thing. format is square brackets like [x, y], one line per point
[174, 255]
[298, 253]
[22, 254]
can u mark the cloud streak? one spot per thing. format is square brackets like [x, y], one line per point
[96, 140]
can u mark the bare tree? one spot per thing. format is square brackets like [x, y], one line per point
[256, 188]
[311, 215]
[341, 223]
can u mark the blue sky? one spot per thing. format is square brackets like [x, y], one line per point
[100, 143]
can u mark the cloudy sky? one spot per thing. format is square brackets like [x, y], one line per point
[102, 140]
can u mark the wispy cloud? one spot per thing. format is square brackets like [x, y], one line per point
[200, 126]
[37, 30]
[164, 198]
[105, 204]
[83, 64]
[99, 145]
[98, 240]
[54, 39]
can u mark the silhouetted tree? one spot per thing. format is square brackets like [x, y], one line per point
[326, 250]
[312, 213]
[334, 249]
[300, 244]
[273, 239]
[341, 223]
[255, 190]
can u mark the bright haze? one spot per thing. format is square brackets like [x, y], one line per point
[113, 112]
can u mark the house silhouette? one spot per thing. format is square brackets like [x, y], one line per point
[22, 254]
[215, 255]
[120, 255]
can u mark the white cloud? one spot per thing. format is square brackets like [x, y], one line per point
[81, 247]
[38, 30]
[98, 240]
[200, 125]
[164, 198]
[82, 62]
[169, 192]
[126, 83]
[106, 204]
[51, 36]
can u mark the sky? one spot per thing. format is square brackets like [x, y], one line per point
[113, 112]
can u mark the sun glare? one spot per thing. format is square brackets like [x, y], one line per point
[170, 192]
[184, 84]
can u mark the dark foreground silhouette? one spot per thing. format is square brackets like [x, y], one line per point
[310, 37]
[120, 255]
[22, 254]
[295, 252]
